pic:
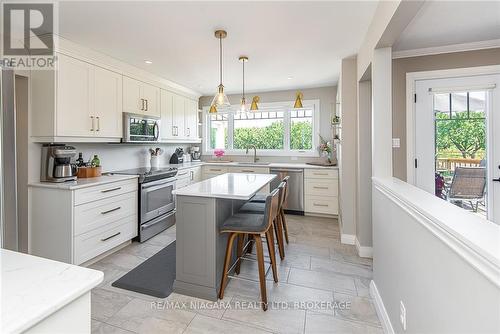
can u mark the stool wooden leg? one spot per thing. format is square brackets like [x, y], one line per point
[283, 221]
[279, 236]
[262, 273]
[272, 254]
[227, 261]
[239, 252]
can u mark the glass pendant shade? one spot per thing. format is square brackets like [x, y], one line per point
[254, 105]
[220, 99]
[298, 100]
[243, 106]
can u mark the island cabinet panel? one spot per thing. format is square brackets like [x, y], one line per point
[200, 247]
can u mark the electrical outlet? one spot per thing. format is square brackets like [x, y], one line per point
[402, 314]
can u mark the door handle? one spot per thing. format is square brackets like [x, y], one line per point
[142, 104]
[496, 180]
[92, 118]
[109, 190]
[112, 210]
[146, 105]
[111, 236]
[98, 123]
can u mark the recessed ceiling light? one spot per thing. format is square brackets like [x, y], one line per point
[290, 78]
[148, 61]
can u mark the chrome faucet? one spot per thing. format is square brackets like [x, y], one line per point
[255, 159]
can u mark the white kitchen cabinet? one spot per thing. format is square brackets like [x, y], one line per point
[75, 225]
[74, 98]
[107, 103]
[167, 130]
[140, 97]
[77, 102]
[178, 116]
[321, 191]
[190, 118]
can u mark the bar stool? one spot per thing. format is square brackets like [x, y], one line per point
[254, 225]
[259, 199]
[258, 208]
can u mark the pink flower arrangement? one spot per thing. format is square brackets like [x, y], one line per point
[219, 153]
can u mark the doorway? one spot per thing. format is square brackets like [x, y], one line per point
[457, 141]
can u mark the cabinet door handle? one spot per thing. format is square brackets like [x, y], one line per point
[92, 118]
[215, 170]
[109, 190]
[187, 132]
[111, 236]
[191, 175]
[146, 105]
[185, 173]
[247, 171]
[142, 104]
[173, 130]
[176, 130]
[316, 187]
[98, 123]
[112, 210]
[316, 204]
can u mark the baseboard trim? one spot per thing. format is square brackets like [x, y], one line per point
[364, 251]
[349, 239]
[380, 308]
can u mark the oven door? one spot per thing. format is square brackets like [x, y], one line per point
[157, 198]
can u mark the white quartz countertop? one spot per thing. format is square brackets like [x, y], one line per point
[240, 186]
[83, 183]
[33, 288]
[250, 164]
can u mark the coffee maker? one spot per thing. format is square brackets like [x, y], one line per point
[56, 166]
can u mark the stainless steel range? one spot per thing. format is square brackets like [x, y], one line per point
[156, 202]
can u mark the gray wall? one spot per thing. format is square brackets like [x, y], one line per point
[441, 291]
[364, 165]
[425, 63]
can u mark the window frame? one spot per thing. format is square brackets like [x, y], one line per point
[286, 151]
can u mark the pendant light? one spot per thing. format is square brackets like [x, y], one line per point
[298, 101]
[220, 99]
[243, 104]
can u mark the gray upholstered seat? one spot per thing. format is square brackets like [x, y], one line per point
[245, 222]
[259, 198]
[252, 207]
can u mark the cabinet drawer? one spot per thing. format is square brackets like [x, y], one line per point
[321, 187]
[91, 244]
[258, 170]
[214, 169]
[182, 181]
[321, 173]
[322, 204]
[96, 193]
[93, 215]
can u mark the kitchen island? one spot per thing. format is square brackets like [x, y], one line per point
[202, 208]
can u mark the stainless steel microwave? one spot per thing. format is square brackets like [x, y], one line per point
[140, 128]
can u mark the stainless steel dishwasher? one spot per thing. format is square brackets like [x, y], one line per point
[295, 201]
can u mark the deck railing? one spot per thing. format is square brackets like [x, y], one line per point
[451, 163]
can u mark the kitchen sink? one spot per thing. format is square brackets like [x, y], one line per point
[254, 163]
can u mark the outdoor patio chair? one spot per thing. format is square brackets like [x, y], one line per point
[468, 185]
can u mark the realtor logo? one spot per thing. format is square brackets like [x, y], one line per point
[22, 24]
[27, 39]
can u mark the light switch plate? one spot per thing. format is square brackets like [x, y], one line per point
[396, 142]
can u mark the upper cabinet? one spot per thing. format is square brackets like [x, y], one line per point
[179, 118]
[140, 97]
[77, 102]
[83, 99]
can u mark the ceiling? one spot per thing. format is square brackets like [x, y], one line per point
[441, 23]
[289, 44]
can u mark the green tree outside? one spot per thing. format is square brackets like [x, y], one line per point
[463, 133]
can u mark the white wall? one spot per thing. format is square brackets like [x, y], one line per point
[442, 291]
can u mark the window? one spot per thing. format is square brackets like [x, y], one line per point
[275, 129]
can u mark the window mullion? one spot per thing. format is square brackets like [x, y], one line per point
[286, 128]
[230, 131]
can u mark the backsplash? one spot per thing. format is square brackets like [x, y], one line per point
[125, 156]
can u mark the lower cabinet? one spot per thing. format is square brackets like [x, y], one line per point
[187, 176]
[321, 191]
[76, 225]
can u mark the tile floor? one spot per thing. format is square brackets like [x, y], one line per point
[317, 269]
